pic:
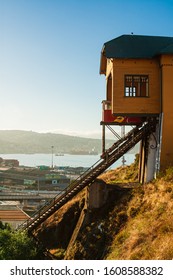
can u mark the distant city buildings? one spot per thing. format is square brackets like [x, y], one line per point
[9, 162]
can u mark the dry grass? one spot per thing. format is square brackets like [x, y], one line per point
[125, 174]
[138, 226]
[148, 233]
[134, 226]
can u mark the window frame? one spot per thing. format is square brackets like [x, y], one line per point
[132, 90]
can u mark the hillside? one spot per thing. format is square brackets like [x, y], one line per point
[135, 223]
[147, 230]
[18, 141]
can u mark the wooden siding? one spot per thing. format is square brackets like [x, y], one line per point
[167, 104]
[136, 105]
[109, 67]
[109, 73]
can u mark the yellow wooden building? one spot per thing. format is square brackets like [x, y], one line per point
[139, 86]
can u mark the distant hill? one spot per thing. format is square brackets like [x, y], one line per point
[19, 141]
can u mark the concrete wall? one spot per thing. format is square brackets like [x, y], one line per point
[97, 194]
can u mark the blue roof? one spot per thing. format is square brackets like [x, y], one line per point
[137, 46]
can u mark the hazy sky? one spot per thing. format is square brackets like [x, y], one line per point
[50, 56]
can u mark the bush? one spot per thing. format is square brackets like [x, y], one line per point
[15, 245]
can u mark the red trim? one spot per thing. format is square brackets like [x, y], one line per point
[109, 118]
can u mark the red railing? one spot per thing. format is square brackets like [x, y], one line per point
[109, 118]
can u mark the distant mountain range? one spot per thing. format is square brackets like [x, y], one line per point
[26, 142]
[18, 141]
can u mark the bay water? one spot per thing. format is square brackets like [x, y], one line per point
[34, 160]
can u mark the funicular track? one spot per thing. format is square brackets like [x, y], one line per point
[111, 155]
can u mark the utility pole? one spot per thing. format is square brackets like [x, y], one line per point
[38, 185]
[52, 156]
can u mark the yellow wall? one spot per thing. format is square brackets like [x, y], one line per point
[109, 67]
[136, 105]
[167, 107]
[160, 100]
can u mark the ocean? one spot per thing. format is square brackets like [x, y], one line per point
[34, 160]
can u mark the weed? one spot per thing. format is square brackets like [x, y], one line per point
[168, 254]
[59, 254]
[162, 208]
[166, 228]
[136, 256]
[122, 217]
[122, 236]
[169, 173]
[168, 189]
[133, 211]
[115, 253]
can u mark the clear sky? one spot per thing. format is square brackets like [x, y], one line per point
[50, 56]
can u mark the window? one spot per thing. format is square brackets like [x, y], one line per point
[136, 86]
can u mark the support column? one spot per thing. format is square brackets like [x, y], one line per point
[97, 194]
[103, 138]
[151, 157]
[142, 160]
[148, 158]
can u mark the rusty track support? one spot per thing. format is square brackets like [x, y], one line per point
[111, 155]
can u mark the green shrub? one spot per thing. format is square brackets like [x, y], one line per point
[15, 245]
[59, 254]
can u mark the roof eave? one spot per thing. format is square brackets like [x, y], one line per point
[102, 62]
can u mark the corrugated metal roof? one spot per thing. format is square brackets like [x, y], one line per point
[137, 46]
[12, 215]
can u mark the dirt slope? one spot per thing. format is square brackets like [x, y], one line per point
[135, 223]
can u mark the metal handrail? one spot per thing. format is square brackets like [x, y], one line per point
[114, 153]
[61, 194]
